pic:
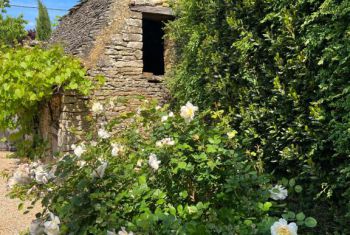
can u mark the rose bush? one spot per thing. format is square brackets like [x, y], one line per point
[183, 175]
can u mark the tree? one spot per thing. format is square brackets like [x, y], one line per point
[3, 4]
[11, 30]
[43, 23]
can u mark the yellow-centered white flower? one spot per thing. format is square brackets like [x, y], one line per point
[188, 111]
[282, 227]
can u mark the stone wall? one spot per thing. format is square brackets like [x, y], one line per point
[107, 36]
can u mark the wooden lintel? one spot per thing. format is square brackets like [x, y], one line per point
[153, 10]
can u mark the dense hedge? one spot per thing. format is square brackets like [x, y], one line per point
[281, 69]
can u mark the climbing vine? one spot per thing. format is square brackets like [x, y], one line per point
[29, 77]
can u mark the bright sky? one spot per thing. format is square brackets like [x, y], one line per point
[31, 14]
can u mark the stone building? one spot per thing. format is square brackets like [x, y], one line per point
[122, 40]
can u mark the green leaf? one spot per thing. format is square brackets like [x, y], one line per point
[292, 182]
[300, 216]
[267, 206]
[310, 222]
[298, 189]
[184, 194]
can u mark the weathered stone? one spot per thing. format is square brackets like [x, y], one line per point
[134, 22]
[135, 45]
[108, 36]
[132, 37]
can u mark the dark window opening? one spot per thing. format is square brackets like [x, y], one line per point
[153, 46]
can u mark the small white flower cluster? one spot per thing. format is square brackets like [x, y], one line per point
[117, 149]
[103, 134]
[97, 108]
[278, 192]
[153, 162]
[282, 227]
[50, 227]
[121, 232]
[166, 117]
[27, 173]
[188, 111]
[165, 142]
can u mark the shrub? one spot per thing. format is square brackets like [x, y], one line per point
[11, 30]
[165, 174]
[281, 68]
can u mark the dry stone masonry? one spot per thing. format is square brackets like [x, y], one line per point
[109, 37]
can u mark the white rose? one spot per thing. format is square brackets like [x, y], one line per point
[79, 150]
[124, 232]
[117, 149]
[166, 141]
[165, 118]
[171, 114]
[52, 227]
[278, 192]
[21, 176]
[153, 162]
[81, 163]
[283, 228]
[42, 176]
[97, 108]
[93, 143]
[188, 111]
[100, 171]
[36, 227]
[103, 134]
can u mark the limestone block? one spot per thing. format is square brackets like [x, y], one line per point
[136, 45]
[133, 29]
[132, 37]
[131, 64]
[134, 22]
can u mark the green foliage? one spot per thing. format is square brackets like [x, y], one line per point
[205, 183]
[11, 30]
[43, 23]
[282, 69]
[3, 4]
[29, 77]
